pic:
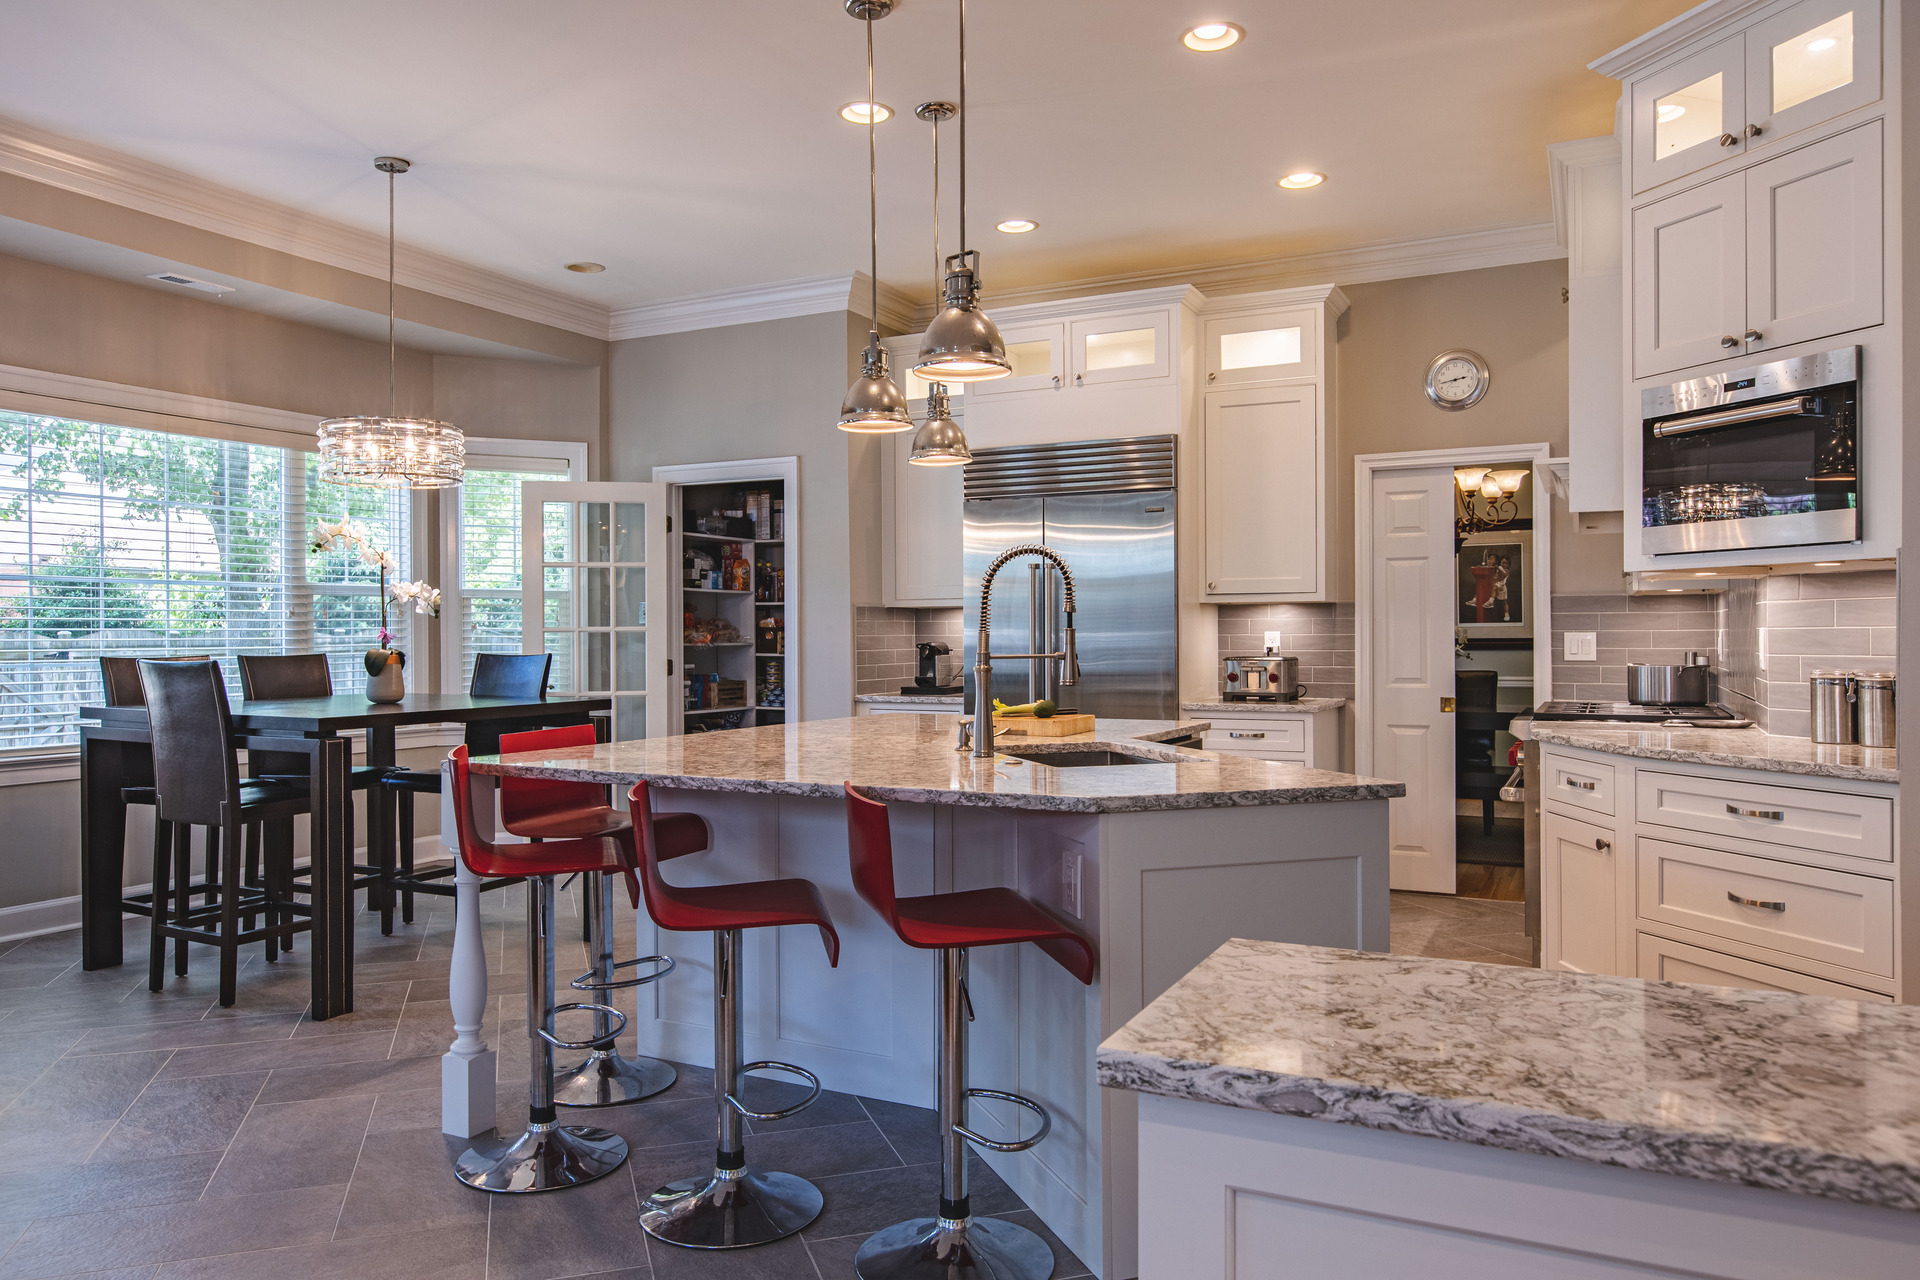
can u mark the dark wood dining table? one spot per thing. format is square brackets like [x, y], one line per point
[116, 752]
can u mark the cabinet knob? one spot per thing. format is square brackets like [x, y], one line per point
[1753, 335]
[1753, 131]
[1212, 587]
[1728, 340]
[1077, 382]
[1603, 845]
[1056, 382]
[1729, 140]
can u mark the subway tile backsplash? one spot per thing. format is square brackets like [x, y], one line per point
[884, 640]
[1628, 629]
[1320, 635]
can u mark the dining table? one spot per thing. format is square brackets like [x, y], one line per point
[116, 753]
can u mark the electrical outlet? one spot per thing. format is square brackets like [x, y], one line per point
[1273, 642]
[1583, 646]
[1070, 883]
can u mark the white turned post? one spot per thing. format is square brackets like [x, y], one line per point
[467, 1069]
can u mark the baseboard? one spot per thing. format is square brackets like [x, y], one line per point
[32, 919]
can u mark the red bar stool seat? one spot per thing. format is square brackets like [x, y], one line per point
[542, 809]
[955, 1243]
[733, 1206]
[548, 1155]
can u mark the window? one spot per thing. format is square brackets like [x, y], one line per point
[119, 540]
[483, 607]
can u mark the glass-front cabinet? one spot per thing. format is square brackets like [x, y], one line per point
[1262, 347]
[1038, 353]
[1121, 348]
[1805, 65]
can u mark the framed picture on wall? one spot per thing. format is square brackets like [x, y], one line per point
[1493, 570]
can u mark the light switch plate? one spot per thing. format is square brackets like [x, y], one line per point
[1273, 641]
[1583, 646]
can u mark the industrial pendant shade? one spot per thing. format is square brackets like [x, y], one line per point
[392, 452]
[939, 442]
[874, 404]
[962, 344]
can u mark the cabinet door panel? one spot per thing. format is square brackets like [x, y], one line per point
[1122, 348]
[1578, 921]
[1681, 114]
[1817, 60]
[1039, 355]
[1689, 277]
[1263, 348]
[1261, 481]
[923, 519]
[1814, 240]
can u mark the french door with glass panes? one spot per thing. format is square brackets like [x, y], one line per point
[605, 573]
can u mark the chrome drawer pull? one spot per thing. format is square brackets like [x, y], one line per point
[1755, 902]
[1584, 786]
[1771, 815]
[1231, 734]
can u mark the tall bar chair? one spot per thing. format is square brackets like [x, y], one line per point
[120, 687]
[197, 783]
[539, 810]
[733, 1206]
[955, 1243]
[549, 1155]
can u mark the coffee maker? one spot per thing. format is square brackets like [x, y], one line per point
[938, 674]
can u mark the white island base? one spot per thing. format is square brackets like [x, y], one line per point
[1253, 1195]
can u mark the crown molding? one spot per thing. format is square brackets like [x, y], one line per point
[1563, 159]
[1640, 54]
[782, 300]
[132, 183]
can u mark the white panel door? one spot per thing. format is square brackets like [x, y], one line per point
[1690, 277]
[1579, 915]
[1412, 589]
[606, 570]
[1261, 491]
[923, 516]
[1814, 240]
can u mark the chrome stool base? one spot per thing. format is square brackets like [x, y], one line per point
[733, 1209]
[954, 1249]
[546, 1157]
[606, 1079]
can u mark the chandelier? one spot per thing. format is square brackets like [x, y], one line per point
[392, 452]
[1485, 499]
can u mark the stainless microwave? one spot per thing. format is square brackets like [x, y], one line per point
[1759, 457]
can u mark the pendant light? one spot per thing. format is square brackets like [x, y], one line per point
[939, 442]
[875, 404]
[392, 452]
[962, 344]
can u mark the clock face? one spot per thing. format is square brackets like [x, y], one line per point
[1456, 380]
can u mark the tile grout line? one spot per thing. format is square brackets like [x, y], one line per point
[347, 1191]
[130, 1106]
[201, 1199]
[874, 1121]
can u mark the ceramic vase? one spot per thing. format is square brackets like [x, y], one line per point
[385, 681]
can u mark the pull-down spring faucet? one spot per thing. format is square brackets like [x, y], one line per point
[1068, 657]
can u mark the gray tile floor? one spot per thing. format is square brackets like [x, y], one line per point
[160, 1137]
[1450, 928]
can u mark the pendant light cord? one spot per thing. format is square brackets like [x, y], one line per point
[938, 264]
[963, 126]
[873, 194]
[393, 351]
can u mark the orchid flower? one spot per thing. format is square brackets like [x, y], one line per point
[425, 599]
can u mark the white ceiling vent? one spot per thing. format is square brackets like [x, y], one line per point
[174, 277]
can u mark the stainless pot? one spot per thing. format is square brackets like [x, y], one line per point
[1684, 684]
[1261, 677]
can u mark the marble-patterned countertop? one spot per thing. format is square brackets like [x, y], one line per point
[1728, 748]
[1806, 1094]
[951, 700]
[912, 759]
[1299, 706]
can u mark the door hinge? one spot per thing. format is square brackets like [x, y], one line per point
[669, 666]
[669, 524]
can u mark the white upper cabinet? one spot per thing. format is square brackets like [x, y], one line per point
[1262, 347]
[1690, 277]
[1038, 353]
[1262, 486]
[1122, 348]
[1803, 66]
[922, 513]
[1814, 252]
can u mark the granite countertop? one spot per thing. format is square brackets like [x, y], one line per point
[912, 759]
[1728, 748]
[1807, 1094]
[914, 699]
[1299, 706]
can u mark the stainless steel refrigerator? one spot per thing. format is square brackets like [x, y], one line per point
[1107, 508]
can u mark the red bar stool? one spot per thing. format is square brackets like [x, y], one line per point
[548, 1155]
[540, 810]
[732, 1207]
[956, 1243]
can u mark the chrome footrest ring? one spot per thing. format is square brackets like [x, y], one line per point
[1024, 1144]
[586, 982]
[575, 1046]
[782, 1114]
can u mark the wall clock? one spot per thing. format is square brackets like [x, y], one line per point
[1457, 379]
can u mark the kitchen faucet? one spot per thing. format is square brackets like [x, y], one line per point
[1067, 657]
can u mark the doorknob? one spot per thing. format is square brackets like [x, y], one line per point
[1446, 706]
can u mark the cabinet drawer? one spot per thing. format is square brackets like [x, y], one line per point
[1254, 734]
[1825, 915]
[1830, 821]
[1585, 783]
[1664, 960]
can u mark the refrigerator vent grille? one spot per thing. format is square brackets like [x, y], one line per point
[1143, 463]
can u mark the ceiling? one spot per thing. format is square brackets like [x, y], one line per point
[697, 147]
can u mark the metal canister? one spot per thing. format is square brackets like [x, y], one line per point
[1832, 698]
[1874, 703]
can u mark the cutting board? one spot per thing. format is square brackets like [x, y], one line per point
[1051, 727]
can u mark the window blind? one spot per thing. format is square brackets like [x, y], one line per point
[125, 541]
[489, 573]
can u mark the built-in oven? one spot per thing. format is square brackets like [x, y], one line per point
[1759, 457]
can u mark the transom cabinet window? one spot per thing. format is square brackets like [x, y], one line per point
[120, 540]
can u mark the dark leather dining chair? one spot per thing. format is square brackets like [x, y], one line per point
[120, 687]
[1477, 719]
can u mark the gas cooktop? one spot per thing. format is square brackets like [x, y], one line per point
[1713, 716]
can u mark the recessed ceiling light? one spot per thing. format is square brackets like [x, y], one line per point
[1826, 564]
[1017, 226]
[1672, 589]
[1706, 573]
[1305, 178]
[857, 112]
[587, 268]
[1821, 45]
[1669, 112]
[1210, 37]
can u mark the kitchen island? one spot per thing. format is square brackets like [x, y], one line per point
[1161, 858]
[1362, 1116]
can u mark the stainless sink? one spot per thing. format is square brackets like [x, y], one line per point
[1084, 759]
